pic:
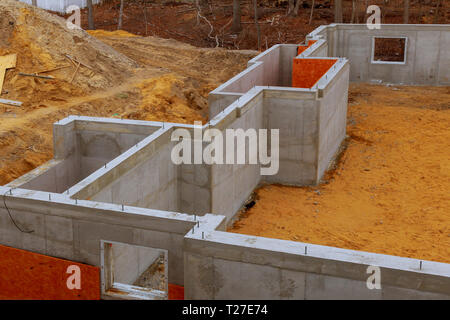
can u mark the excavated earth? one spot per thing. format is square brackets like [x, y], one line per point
[121, 75]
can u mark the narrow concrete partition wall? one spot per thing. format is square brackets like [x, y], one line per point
[130, 262]
[294, 113]
[273, 67]
[221, 265]
[332, 115]
[81, 146]
[232, 184]
[143, 176]
[54, 225]
[427, 46]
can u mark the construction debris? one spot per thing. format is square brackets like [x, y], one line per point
[11, 102]
[54, 69]
[75, 73]
[35, 75]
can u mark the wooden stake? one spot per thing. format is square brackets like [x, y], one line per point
[76, 71]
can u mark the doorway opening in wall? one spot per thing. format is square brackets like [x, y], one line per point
[389, 50]
[133, 272]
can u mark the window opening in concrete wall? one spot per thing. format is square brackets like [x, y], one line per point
[389, 50]
[133, 272]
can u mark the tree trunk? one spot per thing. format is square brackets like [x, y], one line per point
[352, 20]
[91, 25]
[290, 7]
[338, 11]
[236, 27]
[405, 11]
[119, 25]
[420, 12]
[34, 3]
[297, 7]
[258, 30]
[365, 16]
[436, 15]
[312, 11]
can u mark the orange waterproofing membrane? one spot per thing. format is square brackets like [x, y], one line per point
[32, 276]
[306, 72]
[302, 48]
[176, 292]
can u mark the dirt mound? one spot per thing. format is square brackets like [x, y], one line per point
[42, 41]
[171, 85]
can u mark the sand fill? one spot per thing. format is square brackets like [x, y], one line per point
[390, 191]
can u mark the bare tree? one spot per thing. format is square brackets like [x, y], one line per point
[236, 27]
[258, 30]
[91, 25]
[34, 3]
[338, 11]
[405, 11]
[312, 11]
[119, 25]
[291, 4]
[436, 15]
[297, 7]
[352, 20]
[365, 14]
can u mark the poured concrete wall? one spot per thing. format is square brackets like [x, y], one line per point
[80, 148]
[295, 115]
[332, 119]
[194, 188]
[427, 59]
[72, 230]
[232, 184]
[221, 265]
[129, 262]
[151, 183]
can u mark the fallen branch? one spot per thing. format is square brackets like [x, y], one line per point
[199, 15]
[75, 73]
[35, 75]
[54, 69]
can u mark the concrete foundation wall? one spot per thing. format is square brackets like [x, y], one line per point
[232, 184]
[332, 119]
[72, 230]
[80, 148]
[151, 183]
[222, 266]
[194, 188]
[295, 115]
[129, 262]
[427, 61]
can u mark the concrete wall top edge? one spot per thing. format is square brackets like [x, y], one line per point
[249, 69]
[333, 73]
[322, 252]
[424, 27]
[315, 46]
[84, 209]
[36, 172]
